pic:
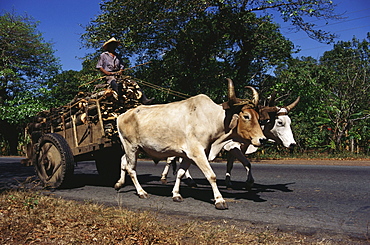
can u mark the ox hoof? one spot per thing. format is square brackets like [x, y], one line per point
[249, 183]
[190, 182]
[117, 187]
[144, 196]
[228, 183]
[248, 186]
[177, 199]
[221, 205]
[229, 186]
[164, 181]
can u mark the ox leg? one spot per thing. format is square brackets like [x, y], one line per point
[229, 167]
[185, 164]
[128, 164]
[166, 169]
[189, 180]
[172, 161]
[131, 170]
[238, 154]
[121, 181]
[202, 162]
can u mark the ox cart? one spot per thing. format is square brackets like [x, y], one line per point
[85, 129]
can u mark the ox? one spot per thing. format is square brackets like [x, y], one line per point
[275, 126]
[198, 127]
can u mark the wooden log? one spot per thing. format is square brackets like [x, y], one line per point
[40, 119]
[104, 93]
[81, 118]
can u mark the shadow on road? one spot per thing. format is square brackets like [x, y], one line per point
[203, 192]
[12, 176]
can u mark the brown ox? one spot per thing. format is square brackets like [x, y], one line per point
[191, 129]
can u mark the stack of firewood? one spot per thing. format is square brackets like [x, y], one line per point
[104, 104]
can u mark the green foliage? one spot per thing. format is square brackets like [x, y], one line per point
[347, 67]
[26, 63]
[334, 108]
[211, 50]
[22, 107]
[63, 87]
[195, 44]
[31, 203]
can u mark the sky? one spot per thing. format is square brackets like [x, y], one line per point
[62, 23]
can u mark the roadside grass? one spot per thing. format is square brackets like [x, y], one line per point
[287, 154]
[30, 217]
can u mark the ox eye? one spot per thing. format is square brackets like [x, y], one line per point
[279, 123]
[246, 117]
[264, 122]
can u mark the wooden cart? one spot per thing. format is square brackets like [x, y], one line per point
[85, 129]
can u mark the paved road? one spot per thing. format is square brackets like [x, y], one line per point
[305, 198]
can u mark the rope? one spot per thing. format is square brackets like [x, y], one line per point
[91, 81]
[136, 66]
[148, 84]
[114, 73]
[169, 91]
[151, 85]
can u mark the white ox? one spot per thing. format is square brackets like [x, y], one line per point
[275, 126]
[198, 128]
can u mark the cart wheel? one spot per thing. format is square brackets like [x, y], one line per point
[108, 164]
[54, 162]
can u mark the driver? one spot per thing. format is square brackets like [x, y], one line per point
[110, 63]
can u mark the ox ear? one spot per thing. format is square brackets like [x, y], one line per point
[264, 112]
[291, 106]
[234, 121]
[225, 105]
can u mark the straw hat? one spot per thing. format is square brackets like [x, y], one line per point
[110, 41]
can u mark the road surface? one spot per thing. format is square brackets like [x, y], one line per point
[310, 199]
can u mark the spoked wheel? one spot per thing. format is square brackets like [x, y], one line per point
[54, 161]
[108, 164]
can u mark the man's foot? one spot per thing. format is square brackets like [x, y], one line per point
[147, 101]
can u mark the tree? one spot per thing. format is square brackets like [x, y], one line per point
[301, 77]
[64, 86]
[334, 108]
[211, 50]
[196, 41]
[347, 79]
[26, 62]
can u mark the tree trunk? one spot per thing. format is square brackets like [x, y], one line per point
[10, 134]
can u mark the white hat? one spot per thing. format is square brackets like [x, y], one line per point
[109, 41]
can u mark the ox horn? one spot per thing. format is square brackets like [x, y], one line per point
[231, 91]
[271, 102]
[291, 106]
[255, 95]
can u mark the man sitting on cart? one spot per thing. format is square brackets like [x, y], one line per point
[110, 63]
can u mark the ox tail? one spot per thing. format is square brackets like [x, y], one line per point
[120, 135]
